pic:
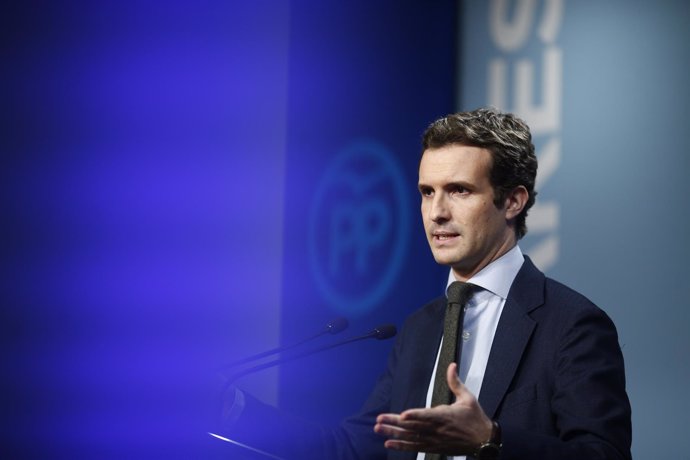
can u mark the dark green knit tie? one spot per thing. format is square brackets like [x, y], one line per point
[451, 349]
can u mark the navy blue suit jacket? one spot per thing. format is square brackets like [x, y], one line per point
[554, 380]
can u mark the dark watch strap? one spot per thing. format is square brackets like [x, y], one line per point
[491, 449]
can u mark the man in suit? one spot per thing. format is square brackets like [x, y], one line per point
[541, 373]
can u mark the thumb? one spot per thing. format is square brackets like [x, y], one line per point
[454, 383]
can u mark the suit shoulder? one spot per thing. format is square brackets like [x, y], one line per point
[428, 315]
[569, 302]
[555, 290]
[430, 309]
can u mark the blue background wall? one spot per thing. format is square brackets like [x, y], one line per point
[169, 201]
[365, 80]
[159, 166]
[142, 169]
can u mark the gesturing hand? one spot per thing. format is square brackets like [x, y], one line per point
[456, 429]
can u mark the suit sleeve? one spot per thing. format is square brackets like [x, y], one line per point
[356, 435]
[588, 401]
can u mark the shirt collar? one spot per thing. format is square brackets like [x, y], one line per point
[498, 276]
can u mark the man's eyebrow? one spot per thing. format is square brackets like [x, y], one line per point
[457, 183]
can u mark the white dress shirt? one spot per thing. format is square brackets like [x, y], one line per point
[482, 313]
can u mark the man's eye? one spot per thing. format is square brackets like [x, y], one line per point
[426, 191]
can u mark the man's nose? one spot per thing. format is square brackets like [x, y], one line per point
[439, 209]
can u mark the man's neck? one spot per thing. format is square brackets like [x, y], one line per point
[464, 275]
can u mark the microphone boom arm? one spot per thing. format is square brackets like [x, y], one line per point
[380, 333]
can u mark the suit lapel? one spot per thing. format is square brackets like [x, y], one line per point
[512, 335]
[424, 355]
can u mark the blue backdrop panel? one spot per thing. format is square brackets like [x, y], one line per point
[366, 78]
[603, 83]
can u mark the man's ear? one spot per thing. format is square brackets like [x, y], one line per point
[516, 201]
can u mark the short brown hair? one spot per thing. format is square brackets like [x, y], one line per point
[509, 140]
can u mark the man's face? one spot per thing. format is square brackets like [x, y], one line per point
[464, 227]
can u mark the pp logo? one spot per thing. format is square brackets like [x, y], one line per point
[358, 227]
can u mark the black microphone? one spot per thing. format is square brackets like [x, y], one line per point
[385, 331]
[382, 332]
[332, 327]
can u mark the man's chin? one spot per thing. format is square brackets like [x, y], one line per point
[445, 259]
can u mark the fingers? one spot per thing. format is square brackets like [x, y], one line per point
[426, 420]
[395, 432]
[403, 422]
[388, 419]
[401, 437]
[419, 416]
[404, 435]
[404, 445]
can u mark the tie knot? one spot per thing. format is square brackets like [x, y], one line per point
[459, 292]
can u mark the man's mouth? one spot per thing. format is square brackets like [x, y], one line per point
[444, 236]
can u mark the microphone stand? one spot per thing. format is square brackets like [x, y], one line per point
[333, 327]
[382, 332]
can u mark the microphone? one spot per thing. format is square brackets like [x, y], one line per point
[332, 327]
[385, 331]
[382, 332]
